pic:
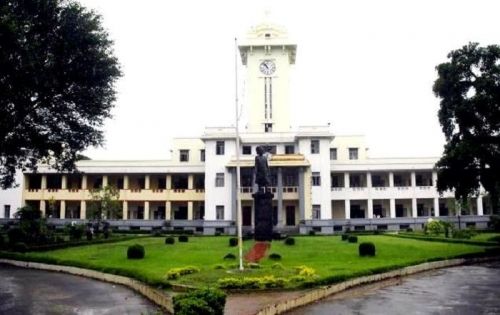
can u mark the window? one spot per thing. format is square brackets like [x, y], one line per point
[202, 155]
[316, 212]
[219, 148]
[353, 153]
[246, 150]
[333, 154]
[6, 211]
[314, 146]
[219, 212]
[289, 149]
[184, 155]
[268, 127]
[219, 180]
[271, 149]
[316, 179]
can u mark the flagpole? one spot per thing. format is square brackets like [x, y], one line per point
[238, 184]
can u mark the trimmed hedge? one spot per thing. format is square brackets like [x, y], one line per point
[352, 239]
[245, 283]
[175, 273]
[230, 256]
[366, 249]
[275, 256]
[200, 302]
[290, 241]
[20, 247]
[183, 239]
[169, 240]
[135, 252]
[345, 237]
[233, 241]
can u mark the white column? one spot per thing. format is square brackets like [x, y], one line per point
[369, 180]
[392, 208]
[190, 181]
[147, 182]
[434, 178]
[146, 210]
[168, 210]
[347, 209]
[104, 181]
[62, 209]
[83, 210]
[414, 207]
[436, 207]
[413, 180]
[190, 210]
[64, 182]
[169, 182]
[370, 209]
[479, 203]
[44, 182]
[391, 179]
[84, 182]
[42, 207]
[346, 180]
[125, 210]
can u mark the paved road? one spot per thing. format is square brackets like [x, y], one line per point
[28, 291]
[457, 290]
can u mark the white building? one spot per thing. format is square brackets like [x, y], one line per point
[10, 200]
[321, 181]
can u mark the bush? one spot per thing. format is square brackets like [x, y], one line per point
[156, 233]
[16, 235]
[305, 271]
[252, 283]
[366, 249]
[169, 240]
[494, 223]
[230, 256]
[183, 239]
[219, 267]
[20, 247]
[290, 241]
[135, 252]
[76, 232]
[494, 239]
[275, 256]
[200, 302]
[464, 234]
[233, 241]
[345, 237]
[175, 273]
[435, 227]
[312, 232]
[89, 235]
[352, 239]
[2, 241]
[409, 230]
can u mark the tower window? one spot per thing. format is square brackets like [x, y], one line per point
[316, 179]
[314, 146]
[219, 212]
[316, 212]
[202, 155]
[219, 180]
[333, 153]
[246, 150]
[219, 148]
[289, 149]
[184, 155]
[268, 127]
[353, 153]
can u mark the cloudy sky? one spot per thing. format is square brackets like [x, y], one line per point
[366, 67]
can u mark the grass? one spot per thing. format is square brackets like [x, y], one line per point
[327, 255]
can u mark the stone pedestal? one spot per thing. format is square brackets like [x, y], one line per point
[263, 205]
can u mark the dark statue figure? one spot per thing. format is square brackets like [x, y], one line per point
[263, 199]
[261, 170]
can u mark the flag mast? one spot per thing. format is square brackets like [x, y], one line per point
[238, 184]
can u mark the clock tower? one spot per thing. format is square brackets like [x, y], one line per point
[268, 54]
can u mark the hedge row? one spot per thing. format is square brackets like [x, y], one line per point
[442, 239]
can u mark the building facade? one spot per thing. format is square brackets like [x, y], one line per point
[321, 182]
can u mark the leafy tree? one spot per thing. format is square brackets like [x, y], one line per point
[469, 88]
[105, 204]
[32, 225]
[57, 75]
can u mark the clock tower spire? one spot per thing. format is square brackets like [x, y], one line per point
[268, 54]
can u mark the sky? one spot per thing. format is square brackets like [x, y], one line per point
[366, 67]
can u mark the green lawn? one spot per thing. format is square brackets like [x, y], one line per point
[328, 255]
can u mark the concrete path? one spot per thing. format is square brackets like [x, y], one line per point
[251, 303]
[29, 291]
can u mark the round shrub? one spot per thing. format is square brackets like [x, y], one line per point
[233, 241]
[352, 239]
[169, 240]
[366, 249]
[183, 239]
[290, 241]
[20, 247]
[312, 232]
[230, 256]
[275, 256]
[345, 237]
[135, 252]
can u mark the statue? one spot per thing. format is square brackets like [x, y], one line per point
[261, 170]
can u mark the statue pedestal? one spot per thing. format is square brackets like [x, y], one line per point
[263, 221]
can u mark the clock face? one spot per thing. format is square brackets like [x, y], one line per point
[267, 67]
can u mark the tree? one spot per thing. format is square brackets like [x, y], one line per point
[105, 204]
[57, 76]
[469, 88]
